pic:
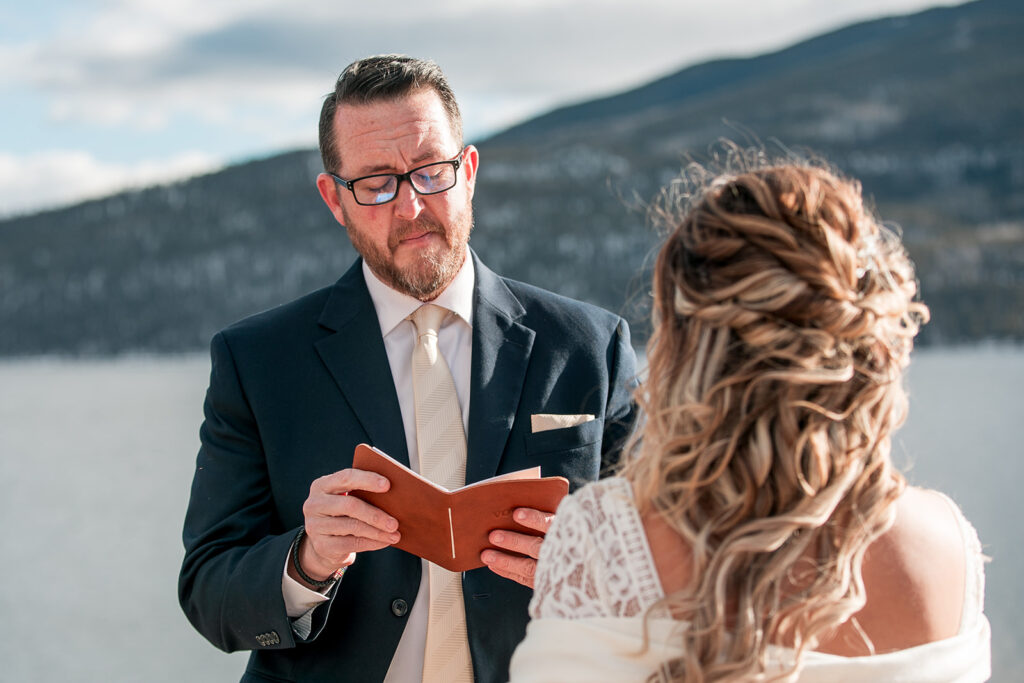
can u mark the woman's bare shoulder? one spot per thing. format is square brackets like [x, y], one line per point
[914, 578]
[926, 536]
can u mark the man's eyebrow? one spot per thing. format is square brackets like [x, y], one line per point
[427, 157]
[418, 160]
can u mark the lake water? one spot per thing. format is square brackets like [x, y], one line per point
[96, 459]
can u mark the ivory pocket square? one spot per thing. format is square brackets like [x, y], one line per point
[546, 421]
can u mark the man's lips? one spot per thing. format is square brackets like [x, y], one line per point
[417, 237]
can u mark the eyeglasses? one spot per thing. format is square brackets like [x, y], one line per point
[381, 188]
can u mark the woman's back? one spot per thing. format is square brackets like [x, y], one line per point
[909, 602]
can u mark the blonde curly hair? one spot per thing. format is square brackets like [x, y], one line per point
[784, 316]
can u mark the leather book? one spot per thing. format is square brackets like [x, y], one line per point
[450, 528]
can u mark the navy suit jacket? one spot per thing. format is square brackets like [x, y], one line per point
[293, 390]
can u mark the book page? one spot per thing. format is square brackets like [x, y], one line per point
[528, 473]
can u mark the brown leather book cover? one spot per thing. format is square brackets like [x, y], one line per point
[450, 528]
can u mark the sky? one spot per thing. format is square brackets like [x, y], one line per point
[101, 95]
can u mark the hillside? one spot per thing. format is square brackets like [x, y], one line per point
[928, 110]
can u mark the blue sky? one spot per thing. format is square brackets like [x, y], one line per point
[99, 95]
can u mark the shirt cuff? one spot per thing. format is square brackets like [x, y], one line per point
[299, 600]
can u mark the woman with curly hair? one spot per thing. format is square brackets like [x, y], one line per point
[757, 529]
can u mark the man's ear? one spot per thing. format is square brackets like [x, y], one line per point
[470, 163]
[328, 189]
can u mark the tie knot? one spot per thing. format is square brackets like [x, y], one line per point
[427, 319]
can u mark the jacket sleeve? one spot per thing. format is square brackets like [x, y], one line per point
[235, 547]
[620, 412]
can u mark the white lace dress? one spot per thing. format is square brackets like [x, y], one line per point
[596, 578]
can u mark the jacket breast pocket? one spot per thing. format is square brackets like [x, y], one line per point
[570, 452]
[565, 439]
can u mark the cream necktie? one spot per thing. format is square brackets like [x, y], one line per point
[441, 442]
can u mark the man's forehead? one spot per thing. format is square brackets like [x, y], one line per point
[379, 135]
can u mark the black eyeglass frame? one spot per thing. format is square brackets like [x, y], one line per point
[456, 164]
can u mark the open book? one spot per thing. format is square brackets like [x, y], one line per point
[450, 528]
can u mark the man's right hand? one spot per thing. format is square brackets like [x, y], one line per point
[339, 525]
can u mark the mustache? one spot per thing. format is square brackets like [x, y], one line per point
[406, 229]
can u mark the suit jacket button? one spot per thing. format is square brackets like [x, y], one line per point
[399, 607]
[269, 638]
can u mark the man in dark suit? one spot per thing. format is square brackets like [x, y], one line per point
[278, 558]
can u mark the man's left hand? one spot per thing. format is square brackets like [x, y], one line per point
[514, 566]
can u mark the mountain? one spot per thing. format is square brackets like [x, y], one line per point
[927, 110]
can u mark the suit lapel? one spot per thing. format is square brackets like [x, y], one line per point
[355, 357]
[501, 354]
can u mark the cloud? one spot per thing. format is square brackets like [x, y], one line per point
[55, 177]
[141, 62]
[239, 79]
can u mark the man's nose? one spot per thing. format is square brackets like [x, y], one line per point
[408, 204]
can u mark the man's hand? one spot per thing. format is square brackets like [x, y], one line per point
[339, 525]
[514, 566]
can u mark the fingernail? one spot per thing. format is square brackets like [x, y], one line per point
[498, 537]
[488, 556]
[520, 515]
[392, 524]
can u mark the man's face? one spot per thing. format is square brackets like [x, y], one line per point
[415, 243]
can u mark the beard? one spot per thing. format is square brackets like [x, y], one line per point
[433, 269]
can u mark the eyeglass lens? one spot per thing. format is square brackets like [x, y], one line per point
[429, 179]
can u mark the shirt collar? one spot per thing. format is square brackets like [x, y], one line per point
[393, 306]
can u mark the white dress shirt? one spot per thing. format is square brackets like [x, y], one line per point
[455, 341]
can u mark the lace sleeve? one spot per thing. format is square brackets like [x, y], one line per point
[595, 561]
